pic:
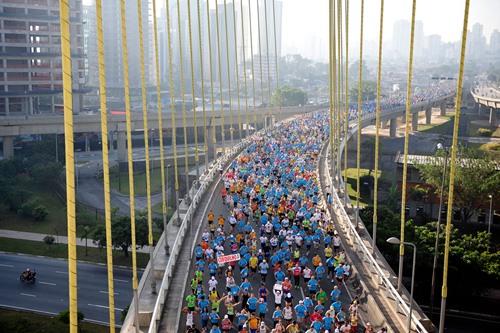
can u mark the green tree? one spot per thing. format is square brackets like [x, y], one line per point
[369, 90]
[476, 176]
[288, 96]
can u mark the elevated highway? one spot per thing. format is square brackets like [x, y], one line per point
[488, 97]
[12, 126]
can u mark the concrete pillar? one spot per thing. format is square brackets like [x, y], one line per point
[7, 108]
[493, 117]
[383, 124]
[414, 122]
[121, 144]
[428, 115]
[443, 109]
[478, 109]
[8, 147]
[393, 124]
[52, 105]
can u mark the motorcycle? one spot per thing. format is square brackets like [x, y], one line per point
[28, 277]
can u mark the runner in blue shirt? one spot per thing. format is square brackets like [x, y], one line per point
[301, 312]
[313, 286]
[262, 308]
[252, 303]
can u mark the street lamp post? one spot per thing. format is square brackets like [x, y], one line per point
[167, 247]
[396, 241]
[490, 220]
[438, 226]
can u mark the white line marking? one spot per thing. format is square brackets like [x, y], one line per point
[118, 280]
[60, 272]
[5, 265]
[29, 295]
[302, 292]
[105, 292]
[47, 283]
[25, 309]
[104, 307]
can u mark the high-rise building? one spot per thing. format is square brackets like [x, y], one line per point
[30, 56]
[90, 45]
[434, 48]
[495, 41]
[401, 38]
[476, 43]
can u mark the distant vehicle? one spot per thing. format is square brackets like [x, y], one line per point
[28, 276]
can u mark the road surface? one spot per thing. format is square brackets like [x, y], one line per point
[50, 292]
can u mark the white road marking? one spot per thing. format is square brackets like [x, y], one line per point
[105, 292]
[302, 292]
[118, 280]
[25, 309]
[61, 272]
[104, 307]
[47, 283]
[5, 265]
[29, 295]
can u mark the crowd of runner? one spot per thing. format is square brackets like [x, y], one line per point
[397, 99]
[289, 270]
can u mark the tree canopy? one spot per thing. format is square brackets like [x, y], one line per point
[288, 96]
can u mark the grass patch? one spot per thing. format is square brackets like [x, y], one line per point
[21, 322]
[61, 251]
[443, 128]
[119, 182]
[53, 224]
[365, 199]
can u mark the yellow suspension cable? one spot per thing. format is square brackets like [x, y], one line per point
[172, 107]
[210, 60]
[377, 126]
[231, 118]
[203, 104]
[454, 149]
[330, 75]
[276, 59]
[339, 84]
[260, 63]
[334, 92]
[267, 56]
[254, 96]
[360, 111]
[406, 143]
[160, 124]
[105, 165]
[193, 98]
[144, 98]
[219, 59]
[70, 161]
[347, 102]
[237, 70]
[183, 97]
[247, 116]
[129, 158]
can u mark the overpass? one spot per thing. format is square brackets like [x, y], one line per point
[385, 306]
[12, 126]
[488, 97]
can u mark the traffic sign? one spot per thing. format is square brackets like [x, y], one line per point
[228, 258]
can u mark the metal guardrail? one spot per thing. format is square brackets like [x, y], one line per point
[357, 241]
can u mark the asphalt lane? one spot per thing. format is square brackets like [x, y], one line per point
[50, 292]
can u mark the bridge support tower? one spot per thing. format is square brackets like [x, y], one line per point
[428, 115]
[393, 124]
[493, 117]
[414, 122]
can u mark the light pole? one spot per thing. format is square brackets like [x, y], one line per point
[436, 244]
[490, 220]
[167, 247]
[396, 241]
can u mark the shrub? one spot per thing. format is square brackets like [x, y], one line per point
[63, 316]
[49, 240]
[40, 213]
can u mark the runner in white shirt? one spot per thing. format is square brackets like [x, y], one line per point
[212, 283]
[278, 293]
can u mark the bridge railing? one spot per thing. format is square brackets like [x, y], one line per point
[349, 229]
[366, 254]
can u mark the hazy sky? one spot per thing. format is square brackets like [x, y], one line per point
[305, 22]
